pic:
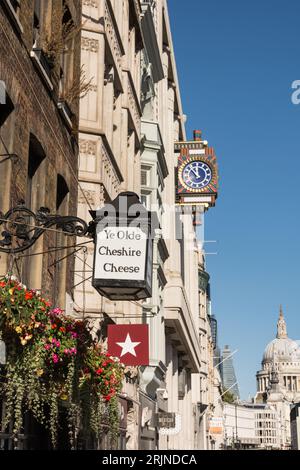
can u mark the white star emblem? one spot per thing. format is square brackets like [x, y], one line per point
[128, 346]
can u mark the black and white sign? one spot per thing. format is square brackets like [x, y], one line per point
[121, 254]
[123, 257]
[166, 420]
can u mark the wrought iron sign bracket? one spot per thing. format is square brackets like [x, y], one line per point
[22, 227]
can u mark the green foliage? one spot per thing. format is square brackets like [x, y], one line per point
[228, 397]
[52, 359]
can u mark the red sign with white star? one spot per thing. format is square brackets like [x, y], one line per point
[130, 343]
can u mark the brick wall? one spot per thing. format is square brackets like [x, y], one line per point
[36, 112]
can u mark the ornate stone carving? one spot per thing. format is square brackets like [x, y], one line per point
[94, 88]
[91, 3]
[112, 38]
[89, 44]
[110, 177]
[133, 107]
[89, 195]
[87, 147]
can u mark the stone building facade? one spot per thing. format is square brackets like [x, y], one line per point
[36, 128]
[109, 158]
[129, 121]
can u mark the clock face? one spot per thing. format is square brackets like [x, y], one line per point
[196, 175]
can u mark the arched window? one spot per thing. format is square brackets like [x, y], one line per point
[35, 194]
[35, 198]
[6, 145]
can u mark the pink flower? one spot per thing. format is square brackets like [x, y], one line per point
[55, 358]
[66, 351]
[56, 311]
[47, 347]
[74, 335]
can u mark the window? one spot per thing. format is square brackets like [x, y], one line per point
[145, 176]
[60, 262]
[146, 185]
[146, 199]
[62, 191]
[67, 55]
[35, 198]
[182, 379]
[35, 175]
[6, 132]
[6, 104]
[36, 22]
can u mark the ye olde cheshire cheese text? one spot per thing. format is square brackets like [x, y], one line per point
[121, 235]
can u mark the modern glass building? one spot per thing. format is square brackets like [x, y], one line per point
[228, 373]
[214, 335]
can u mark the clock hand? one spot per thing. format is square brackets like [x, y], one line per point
[196, 173]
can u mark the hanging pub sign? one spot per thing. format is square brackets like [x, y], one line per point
[123, 249]
[166, 420]
[130, 343]
[197, 173]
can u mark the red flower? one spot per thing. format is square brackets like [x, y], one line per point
[62, 329]
[54, 326]
[2, 284]
[99, 371]
[28, 295]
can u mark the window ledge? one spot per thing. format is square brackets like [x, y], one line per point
[13, 16]
[35, 56]
[66, 113]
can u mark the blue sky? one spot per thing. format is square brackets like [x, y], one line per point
[236, 62]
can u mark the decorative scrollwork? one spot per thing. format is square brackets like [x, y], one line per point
[22, 227]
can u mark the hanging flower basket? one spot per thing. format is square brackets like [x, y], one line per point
[53, 361]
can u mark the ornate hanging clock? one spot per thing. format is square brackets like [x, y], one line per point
[197, 173]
